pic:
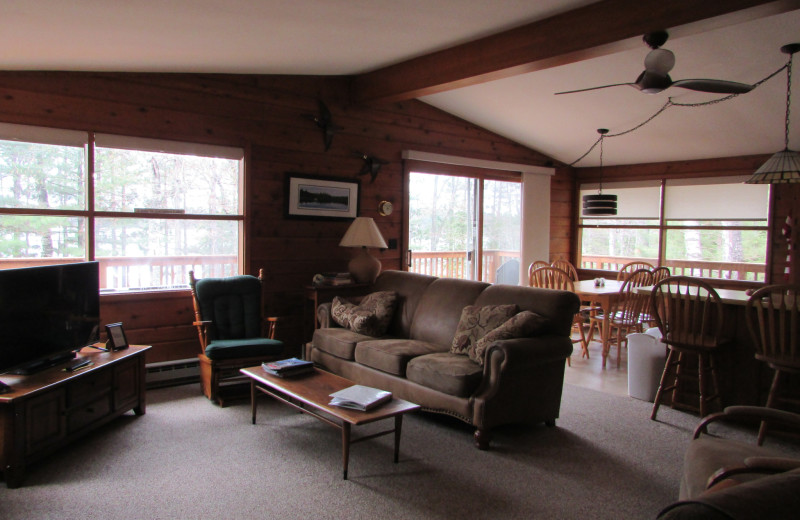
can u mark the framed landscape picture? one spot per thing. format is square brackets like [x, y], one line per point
[321, 197]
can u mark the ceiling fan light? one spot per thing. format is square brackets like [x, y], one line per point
[782, 168]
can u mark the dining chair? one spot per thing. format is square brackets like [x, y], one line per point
[554, 278]
[567, 266]
[630, 267]
[773, 317]
[688, 312]
[536, 264]
[624, 315]
[659, 273]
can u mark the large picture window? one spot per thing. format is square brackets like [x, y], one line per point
[148, 210]
[709, 227]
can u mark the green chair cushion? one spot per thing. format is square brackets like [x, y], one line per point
[241, 348]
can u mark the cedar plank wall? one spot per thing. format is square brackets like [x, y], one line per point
[263, 114]
[785, 198]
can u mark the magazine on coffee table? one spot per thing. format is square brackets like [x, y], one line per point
[359, 397]
[287, 367]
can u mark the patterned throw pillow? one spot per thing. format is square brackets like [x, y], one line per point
[341, 310]
[370, 317]
[476, 322]
[522, 325]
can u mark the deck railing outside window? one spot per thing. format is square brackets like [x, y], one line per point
[140, 273]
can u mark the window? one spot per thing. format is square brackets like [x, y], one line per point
[464, 227]
[159, 209]
[710, 227]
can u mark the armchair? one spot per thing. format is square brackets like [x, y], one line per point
[730, 478]
[232, 329]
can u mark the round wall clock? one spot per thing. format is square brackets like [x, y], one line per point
[385, 208]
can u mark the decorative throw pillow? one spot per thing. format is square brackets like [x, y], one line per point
[522, 325]
[341, 310]
[476, 322]
[370, 317]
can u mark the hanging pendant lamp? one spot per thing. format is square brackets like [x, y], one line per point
[784, 166]
[600, 205]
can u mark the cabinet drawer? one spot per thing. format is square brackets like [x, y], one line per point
[87, 413]
[87, 388]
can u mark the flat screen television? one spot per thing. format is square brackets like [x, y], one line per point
[47, 313]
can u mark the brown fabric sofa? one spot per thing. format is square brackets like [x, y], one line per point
[520, 381]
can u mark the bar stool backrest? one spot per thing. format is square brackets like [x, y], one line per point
[773, 317]
[688, 312]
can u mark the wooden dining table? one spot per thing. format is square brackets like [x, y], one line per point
[605, 296]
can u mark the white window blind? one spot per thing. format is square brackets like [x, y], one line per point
[635, 200]
[716, 198]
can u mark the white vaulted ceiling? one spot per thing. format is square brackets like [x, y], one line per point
[352, 37]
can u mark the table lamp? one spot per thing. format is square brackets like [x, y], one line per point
[364, 233]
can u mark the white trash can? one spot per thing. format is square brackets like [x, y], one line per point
[646, 358]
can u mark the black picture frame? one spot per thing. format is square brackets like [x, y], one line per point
[116, 337]
[321, 198]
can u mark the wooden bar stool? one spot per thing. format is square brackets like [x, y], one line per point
[688, 312]
[773, 317]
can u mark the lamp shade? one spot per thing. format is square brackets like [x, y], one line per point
[363, 232]
[599, 205]
[782, 168]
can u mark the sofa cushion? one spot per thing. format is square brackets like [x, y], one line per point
[439, 310]
[371, 316]
[392, 355]
[476, 322]
[521, 325]
[338, 342]
[452, 374]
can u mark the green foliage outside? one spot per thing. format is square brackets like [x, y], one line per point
[442, 218]
[53, 177]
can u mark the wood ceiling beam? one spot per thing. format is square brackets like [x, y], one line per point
[594, 30]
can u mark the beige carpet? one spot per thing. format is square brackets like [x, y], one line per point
[187, 458]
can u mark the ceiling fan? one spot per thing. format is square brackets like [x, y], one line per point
[655, 76]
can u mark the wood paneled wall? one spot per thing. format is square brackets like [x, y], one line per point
[266, 116]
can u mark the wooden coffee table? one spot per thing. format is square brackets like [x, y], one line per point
[309, 393]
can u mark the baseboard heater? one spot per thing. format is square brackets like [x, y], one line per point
[171, 373]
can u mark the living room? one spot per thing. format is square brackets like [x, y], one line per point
[267, 115]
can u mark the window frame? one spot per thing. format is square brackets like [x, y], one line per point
[663, 228]
[88, 140]
[478, 174]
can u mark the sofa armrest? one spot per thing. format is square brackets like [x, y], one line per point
[522, 380]
[324, 318]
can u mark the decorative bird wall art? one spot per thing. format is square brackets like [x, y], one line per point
[372, 165]
[324, 121]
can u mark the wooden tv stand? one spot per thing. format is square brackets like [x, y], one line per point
[49, 409]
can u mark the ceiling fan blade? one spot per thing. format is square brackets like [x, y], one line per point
[593, 88]
[716, 86]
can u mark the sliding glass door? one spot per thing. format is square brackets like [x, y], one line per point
[464, 227]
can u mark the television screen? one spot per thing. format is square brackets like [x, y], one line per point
[46, 313]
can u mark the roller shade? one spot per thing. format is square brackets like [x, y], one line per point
[635, 200]
[718, 198]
